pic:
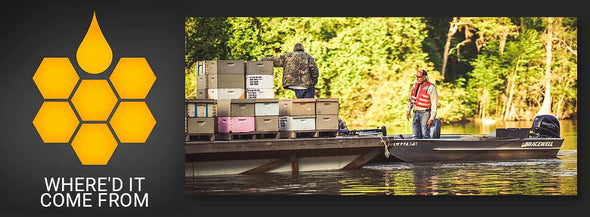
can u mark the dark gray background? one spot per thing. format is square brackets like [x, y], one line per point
[31, 30]
[34, 30]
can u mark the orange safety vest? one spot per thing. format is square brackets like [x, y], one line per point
[422, 98]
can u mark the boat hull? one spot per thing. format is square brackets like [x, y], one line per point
[472, 149]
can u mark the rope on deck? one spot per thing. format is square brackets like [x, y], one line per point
[386, 147]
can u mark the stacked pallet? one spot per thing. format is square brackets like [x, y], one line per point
[247, 119]
[234, 79]
[200, 119]
[235, 99]
[220, 79]
[308, 117]
[259, 80]
[232, 89]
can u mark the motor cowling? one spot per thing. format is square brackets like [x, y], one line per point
[545, 126]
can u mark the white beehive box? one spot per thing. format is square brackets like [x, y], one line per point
[260, 81]
[297, 122]
[266, 107]
[258, 93]
[226, 93]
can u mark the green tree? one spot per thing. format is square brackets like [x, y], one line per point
[498, 70]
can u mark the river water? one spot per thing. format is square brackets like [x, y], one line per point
[556, 176]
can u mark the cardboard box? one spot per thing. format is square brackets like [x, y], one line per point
[242, 108]
[242, 124]
[327, 106]
[303, 106]
[226, 93]
[201, 125]
[266, 107]
[225, 81]
[297, 122]
[259, 68]
[260, 81]
[266, 123]
[326, 122]
[235, 67]
[201, 107]
[202, 82]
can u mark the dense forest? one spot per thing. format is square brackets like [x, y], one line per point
[498, 68]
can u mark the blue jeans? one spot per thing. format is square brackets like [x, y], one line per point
[305, 93]
[420, 125]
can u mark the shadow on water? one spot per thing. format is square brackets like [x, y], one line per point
[556, 176]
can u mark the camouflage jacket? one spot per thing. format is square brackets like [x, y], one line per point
[299, 69]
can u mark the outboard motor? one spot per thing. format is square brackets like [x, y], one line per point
[545, 126]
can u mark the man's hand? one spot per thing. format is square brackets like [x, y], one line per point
[429, 122]
[408, 115]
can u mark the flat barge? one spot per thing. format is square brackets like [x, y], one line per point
[344, 152]
[280, 155]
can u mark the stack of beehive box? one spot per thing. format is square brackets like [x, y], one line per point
[200, 118]
[237, 97]
[220, 79]
[308, 115]
[259, 80]
[327, 114]
[234, 79]
[260, 87]
[243, 94]
[217, 80]
[235, 115]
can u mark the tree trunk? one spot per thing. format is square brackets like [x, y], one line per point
[558, 110]
[452, 30]
[509, 111]
[483, 104]
[512, 84]
[546, 106]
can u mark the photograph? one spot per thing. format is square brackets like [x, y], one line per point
[381, 106]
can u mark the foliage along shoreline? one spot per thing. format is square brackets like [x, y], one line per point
[499, 68]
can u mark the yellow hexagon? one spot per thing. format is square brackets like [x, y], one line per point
[56, 122]
[133, 122]
[56, 78]
[132, 78]
[94, 144]
[94, 100]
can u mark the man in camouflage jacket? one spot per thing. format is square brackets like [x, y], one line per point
[300, 72]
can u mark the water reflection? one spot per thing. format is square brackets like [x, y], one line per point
[489, 178]
[531, 177]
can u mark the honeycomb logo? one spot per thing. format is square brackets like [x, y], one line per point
[94, 115]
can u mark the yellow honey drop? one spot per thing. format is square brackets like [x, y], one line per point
[94, 54]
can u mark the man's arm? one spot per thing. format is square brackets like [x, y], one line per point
[313, 68]
[433, 101]
[277, 61]
[410, 105]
